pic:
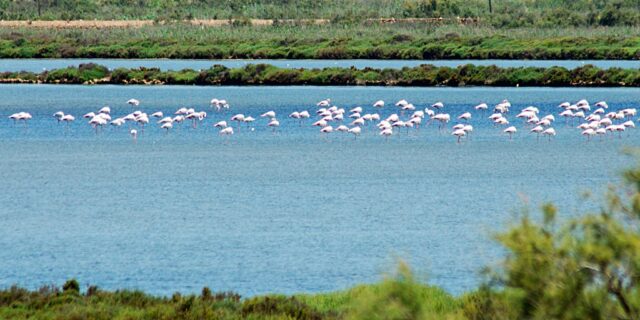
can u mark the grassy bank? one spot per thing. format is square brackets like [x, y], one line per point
[182, 41]
[263, 74]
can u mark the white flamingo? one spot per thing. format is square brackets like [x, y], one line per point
[510, 131]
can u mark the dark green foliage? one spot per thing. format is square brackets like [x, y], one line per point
[71, 286]
[264, 74]
[286, 307]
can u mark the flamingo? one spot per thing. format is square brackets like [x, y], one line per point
[157, 114]
[355, 131]
[357, 110]
[443, 118]
[465, 116]
[324, 103]
[326, 130]
[358, 122]
[58, 115]
[408, 107]
[167, 126]
[134, 102]
[481, 107]
[386, 133]
[165, 120]
[589, 133]
[320, 123]
[134, 134]
[602, 104]
[401, 103]
[510, 131]
[274, 124]
[417, 121]
[117, 122]
[220, 124]
[248, 120]
[226, 131]
[378, 104]
[269, 114]
[551, 132]
[459, 134]
[294, 115]
[537, 130]
[468, 129]
[342, 128]
[68, 118]
[239, 118]
[178, 119]
[97, 122]
[437, 105]
[143, 119]
[105, 109]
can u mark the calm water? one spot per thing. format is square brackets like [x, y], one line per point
[37, 65]
[285, 212]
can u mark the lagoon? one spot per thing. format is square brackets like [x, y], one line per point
[38, 65]
[286, 212]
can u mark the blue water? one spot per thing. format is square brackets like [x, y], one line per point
[37, 65]
[286, 212]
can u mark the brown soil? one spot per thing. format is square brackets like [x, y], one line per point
[97, 24]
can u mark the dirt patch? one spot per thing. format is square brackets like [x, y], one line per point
[98, 24]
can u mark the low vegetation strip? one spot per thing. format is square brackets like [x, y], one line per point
[263, 74]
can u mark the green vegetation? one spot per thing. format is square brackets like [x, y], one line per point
[502, 13]
[398, 297]
[419, 41]
[584, 267]
[264, 74]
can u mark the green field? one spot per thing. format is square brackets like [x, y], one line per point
[181, 41]
[502, 13]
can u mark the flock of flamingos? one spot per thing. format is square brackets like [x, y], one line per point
[330, 118]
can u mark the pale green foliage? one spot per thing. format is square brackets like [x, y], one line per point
[586, 268]
[401, 296]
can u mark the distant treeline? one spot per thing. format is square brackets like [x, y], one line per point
[264, 74]
[503, 13]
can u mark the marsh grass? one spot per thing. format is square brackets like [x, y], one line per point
[181, 41]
